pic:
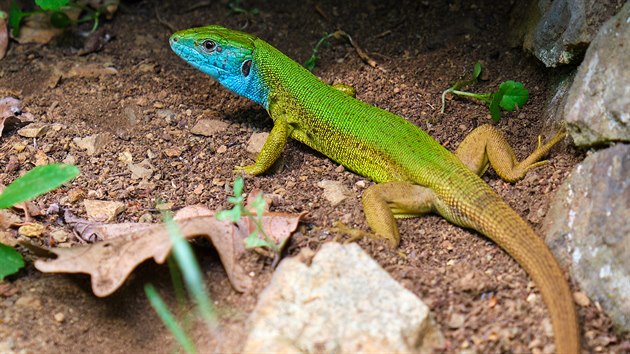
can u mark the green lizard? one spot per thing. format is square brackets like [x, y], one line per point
[416, 174]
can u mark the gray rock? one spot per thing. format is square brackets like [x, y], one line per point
[587, 229]
[598, 106]
[566, 27]
[344, 302]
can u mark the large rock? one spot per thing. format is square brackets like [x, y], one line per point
[566, 27]
[588, 230]
[598, 106]
[344, 302]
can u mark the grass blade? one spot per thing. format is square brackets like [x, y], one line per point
[169, 320]
[182, 251]
[35, 182]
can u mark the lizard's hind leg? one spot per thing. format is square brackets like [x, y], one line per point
[486, 146]
[383, 203]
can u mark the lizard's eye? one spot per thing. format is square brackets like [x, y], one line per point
[209, 45]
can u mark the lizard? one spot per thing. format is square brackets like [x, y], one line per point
[414, 174]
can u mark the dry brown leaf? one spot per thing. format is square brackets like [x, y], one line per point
[127, 245]
[10, 108]
[4, 35]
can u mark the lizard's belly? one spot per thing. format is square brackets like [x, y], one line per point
[354, 154]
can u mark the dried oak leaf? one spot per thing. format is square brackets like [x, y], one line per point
[127, 245]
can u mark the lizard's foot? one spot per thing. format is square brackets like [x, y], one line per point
[486, 146]
[355, 234]
[247, 170]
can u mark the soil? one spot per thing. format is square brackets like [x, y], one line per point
[423, 48]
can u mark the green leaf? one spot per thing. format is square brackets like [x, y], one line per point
[59, 19]
[53, 5]
[15, 18]
[232, 214]
[259, 205]
[238, 186]
[10, 261]
[253, 241]
[168, 319]
[515, 94]
[476, 71]
[495, 109]
[193, 276]
[35, 182]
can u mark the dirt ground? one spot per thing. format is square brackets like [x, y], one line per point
[423, 47]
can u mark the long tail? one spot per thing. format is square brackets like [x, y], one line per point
[468, 201]
[506, 228]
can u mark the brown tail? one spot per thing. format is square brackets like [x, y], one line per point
[505, 227]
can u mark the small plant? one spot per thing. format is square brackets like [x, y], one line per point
[258, 238]
[510, 96]
[57, 10]
[35, 182]
[184, 258]
[311, 62]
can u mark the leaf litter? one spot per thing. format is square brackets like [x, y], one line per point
[125, 245]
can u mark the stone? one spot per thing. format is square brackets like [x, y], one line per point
[102, 210]
[598, 106]
[587, 229]
[166, 114]
[59, 317]
[334, 191]
[255, 143]
[143, 170]
[566, 27]
[93, 144]
[34, 130]
[29, 302]
[31, 230]
[60, 236]
[343, 302]
[209, 127]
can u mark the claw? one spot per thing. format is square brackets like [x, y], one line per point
[357, 234]
[537, 164]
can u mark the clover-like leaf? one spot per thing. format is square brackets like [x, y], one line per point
[514, 94]
[476, 71]
[48, 5]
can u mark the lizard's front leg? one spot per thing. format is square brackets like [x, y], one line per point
[272, 148]
[486, 146]
[383, 203]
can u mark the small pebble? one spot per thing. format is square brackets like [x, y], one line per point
[581, 299]
[59, 317]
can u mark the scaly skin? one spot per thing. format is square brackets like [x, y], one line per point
[416, 173]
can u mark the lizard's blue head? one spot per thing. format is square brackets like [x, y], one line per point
[224, 54]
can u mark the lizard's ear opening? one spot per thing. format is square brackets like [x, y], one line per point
[245, 67]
